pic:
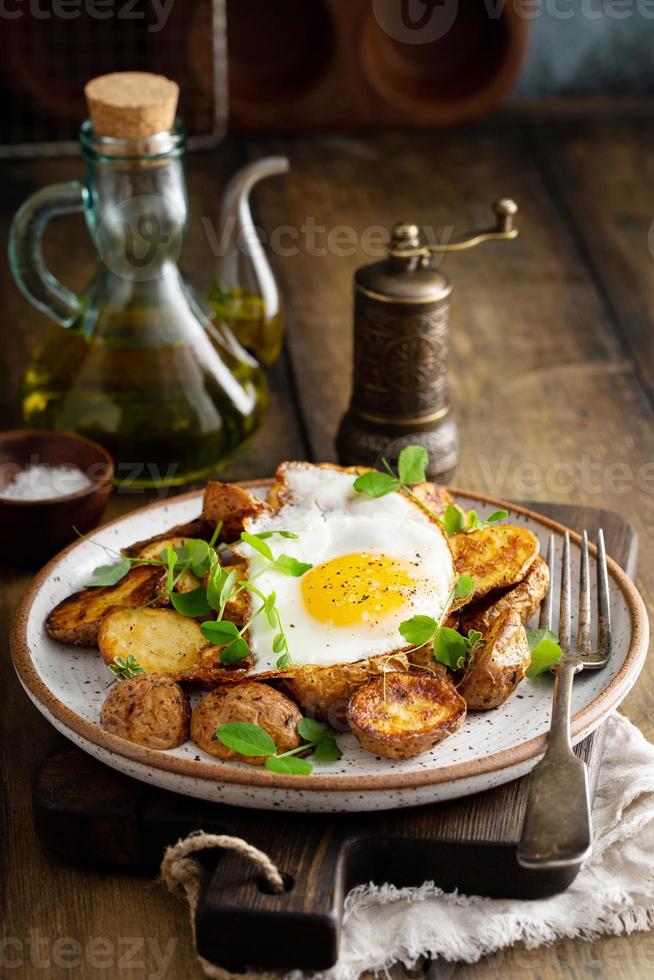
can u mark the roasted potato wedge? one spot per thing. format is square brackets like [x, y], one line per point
[230, 504]
[499, 665]
[148, 709]
[252, 702]
[323, 692]
[401, 714]
[164, 642]
[154, 549]
[77, 619]
[495, 557]
[197, 528]
[525, 598]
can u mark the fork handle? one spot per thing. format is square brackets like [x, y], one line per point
[557, 830]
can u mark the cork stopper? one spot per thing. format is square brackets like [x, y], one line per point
[131, 104]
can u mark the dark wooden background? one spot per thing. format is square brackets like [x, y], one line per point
[552, 370]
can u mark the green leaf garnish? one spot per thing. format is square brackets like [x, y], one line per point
[125, 667]
[219, 631]
[236, 651]
[464, 586]
[109, 574]
[419, 630]
[291, 535]
[312, 730]
[376, 484]
[252, 740]
[412, 464]
[291, 566]
[192, 604]
[284, 661]
[545, 651]
[453, 519]
[450, 648]
[288, 765]
[327, 750]
[535, 636]
[246, 738]
[258, 544]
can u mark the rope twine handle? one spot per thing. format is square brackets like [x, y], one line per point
[184, 876]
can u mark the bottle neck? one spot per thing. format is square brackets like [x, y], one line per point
[136, 205]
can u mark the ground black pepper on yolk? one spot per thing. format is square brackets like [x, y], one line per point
[359, 588]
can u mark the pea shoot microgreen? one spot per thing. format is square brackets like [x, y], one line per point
[457, 522]
[249, 739]
[545, 651]
[224, 585]
[411, 469]
[196, 556]
[123, 668]
[450, 648]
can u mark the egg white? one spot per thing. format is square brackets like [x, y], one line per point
[332, 519]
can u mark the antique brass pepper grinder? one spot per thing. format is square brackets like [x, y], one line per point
[401, 323]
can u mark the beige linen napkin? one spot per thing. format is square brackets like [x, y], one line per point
[613, 893]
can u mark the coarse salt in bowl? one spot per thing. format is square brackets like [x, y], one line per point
[53, 486]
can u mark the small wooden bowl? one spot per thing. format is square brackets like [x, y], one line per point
[31, 531]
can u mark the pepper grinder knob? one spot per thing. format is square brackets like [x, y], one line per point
[505, 210]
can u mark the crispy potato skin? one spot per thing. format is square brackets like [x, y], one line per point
[404, 714]
[495, 557]
[323, 692]
[197, 528]
[164, 642]
[78, 618]
[422, 659]
[252, 702]
[230, 504]
[499, 666]
[525, 598]
[434, 495]
[150, 710]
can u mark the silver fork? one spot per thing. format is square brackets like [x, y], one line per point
[557, 828]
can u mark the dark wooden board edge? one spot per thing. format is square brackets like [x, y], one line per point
[87, 812]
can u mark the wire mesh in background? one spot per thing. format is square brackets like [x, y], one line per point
[48, 58]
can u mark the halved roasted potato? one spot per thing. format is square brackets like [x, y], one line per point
[154, 550]
[160, 640]
[148, 709]
[525, 598]
[77, 619]
[401, 714]
[499, 665]
[164, 642]
[197, 528]
[496, 557]
[251, 702]
[323, 692]
[230, 504]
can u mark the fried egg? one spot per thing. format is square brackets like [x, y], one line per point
[374, 563]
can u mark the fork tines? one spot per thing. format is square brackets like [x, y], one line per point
[588, 659]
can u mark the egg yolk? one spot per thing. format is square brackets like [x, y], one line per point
[357, 588]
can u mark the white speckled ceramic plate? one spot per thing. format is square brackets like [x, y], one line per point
[68, 685]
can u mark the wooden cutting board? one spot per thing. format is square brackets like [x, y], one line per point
[85, 811]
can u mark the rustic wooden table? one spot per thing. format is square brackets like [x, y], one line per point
[552, 380]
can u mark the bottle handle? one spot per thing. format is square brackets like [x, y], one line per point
[26, 254]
